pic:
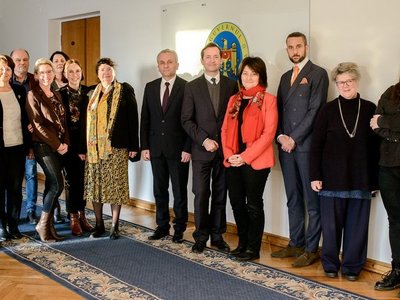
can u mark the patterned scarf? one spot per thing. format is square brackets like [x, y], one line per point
[99, 126]
[256, 94]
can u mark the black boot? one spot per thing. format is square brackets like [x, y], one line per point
[58, 218]
[99, 230]
[390, 280]
[114, 232]
[4, 234]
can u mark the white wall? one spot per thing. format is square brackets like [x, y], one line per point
[131, 32]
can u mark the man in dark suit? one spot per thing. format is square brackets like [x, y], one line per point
[165, 143]
[301, 93]
[203, 111]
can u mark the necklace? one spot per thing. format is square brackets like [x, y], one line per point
[353, 134]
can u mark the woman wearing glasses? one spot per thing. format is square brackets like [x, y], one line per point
[50, 141]
[344, 159]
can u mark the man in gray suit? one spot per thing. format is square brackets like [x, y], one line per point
[302, 91]
[203, 111]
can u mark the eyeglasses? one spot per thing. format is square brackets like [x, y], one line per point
[348, 82]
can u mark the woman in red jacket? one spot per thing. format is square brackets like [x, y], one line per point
[247, 137]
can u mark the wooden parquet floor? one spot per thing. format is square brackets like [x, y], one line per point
[18, 281]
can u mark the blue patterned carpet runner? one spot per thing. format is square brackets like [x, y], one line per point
[133, 267]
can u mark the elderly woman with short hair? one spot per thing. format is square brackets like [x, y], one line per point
[343, 172]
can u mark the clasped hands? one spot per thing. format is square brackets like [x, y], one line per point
[287, 143]
[236, 160]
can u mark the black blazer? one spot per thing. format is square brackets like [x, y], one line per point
[198, 116]
[299, 104]
[162, 133]
[20, 94]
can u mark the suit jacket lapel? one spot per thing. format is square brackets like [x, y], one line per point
[157, 97]
[303, 72]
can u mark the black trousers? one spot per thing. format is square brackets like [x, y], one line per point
[245, 190]
[74, 169]
[51, 164]
[163, 170]
[389, 184]
[209, 216]
[12, 165]
[348, 218]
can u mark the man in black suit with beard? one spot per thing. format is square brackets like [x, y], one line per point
[166, 145]
[203, 111]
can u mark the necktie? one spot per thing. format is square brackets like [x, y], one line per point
[295, 73]
[165, 98]
[214, 81]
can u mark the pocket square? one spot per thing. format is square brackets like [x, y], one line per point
[304, 81]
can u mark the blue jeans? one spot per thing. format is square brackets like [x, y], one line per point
[51, 165]
[31, 184]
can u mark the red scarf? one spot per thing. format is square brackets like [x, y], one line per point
[250, 93]
[252, 127]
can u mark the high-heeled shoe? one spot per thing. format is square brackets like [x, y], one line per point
[43, 229]
[114, 232]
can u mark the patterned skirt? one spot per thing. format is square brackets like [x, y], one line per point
[107, 180]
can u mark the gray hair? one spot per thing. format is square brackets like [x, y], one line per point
[346, 67]
[168, 51]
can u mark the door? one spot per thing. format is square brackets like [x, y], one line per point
[80, 39]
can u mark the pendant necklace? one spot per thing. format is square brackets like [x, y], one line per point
[353, 134]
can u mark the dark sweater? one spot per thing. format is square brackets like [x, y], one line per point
[389, 126]
[340, 162]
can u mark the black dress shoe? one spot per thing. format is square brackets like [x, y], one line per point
[158, 234]
[221, 245]
[331, 274]
[4, 235]
[198, 247]
[238, 250]
[177, 238]
[248, 255]
[15, 234]
[390, 281]
[351, 276]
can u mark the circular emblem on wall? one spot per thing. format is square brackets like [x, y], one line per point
[233, 44]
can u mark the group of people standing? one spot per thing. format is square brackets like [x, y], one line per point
[329, 153]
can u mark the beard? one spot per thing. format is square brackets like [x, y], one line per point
[297, 59]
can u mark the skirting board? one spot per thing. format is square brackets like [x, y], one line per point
[276, 240]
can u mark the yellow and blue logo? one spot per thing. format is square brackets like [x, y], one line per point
[233, 44]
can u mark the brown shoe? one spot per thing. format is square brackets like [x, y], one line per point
[289, 251]
[306, 259]
[85, 225]
[75, 225]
